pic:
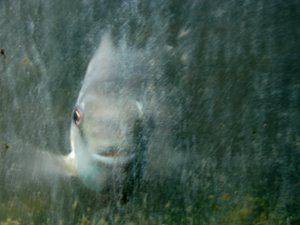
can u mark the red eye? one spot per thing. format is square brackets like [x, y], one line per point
[76, 117]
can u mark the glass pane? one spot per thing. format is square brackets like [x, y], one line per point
[149, 112]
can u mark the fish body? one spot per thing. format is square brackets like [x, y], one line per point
[106, 122]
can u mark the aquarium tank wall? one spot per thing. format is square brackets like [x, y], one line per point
[204, 95]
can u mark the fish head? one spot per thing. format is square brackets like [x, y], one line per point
[106, 121]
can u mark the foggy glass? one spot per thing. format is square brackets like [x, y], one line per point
[220, 87]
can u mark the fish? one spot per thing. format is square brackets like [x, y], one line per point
[107, 121]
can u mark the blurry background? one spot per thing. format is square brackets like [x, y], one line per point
[228, 89]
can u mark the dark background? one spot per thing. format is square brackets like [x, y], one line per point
[229, 87]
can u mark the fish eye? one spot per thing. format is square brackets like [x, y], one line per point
[76, 117]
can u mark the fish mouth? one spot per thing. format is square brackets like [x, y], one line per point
[113, 158]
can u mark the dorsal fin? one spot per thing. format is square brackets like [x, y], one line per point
[100, 65]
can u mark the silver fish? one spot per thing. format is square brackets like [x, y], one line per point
[106, 121]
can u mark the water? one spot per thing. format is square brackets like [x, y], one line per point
[222, 92]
